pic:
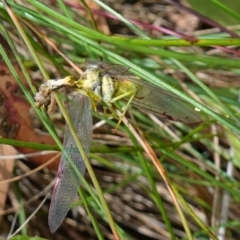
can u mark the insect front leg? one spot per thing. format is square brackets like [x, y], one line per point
[95, 99]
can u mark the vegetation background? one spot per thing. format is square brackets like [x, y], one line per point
[190, 48]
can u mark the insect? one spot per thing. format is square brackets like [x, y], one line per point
[106, 83]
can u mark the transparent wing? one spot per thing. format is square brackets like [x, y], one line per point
[151, 98]
[93, 63]
[156, 100]
[114, 70]
[68, 181]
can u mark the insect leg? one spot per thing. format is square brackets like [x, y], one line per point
[95, 99]
[126, 94]
[133, 94]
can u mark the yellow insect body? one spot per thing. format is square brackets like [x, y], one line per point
[108, 89]
[102, 87]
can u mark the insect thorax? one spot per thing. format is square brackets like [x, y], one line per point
[91, 79]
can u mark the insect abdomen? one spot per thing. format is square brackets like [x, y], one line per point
[108, 88]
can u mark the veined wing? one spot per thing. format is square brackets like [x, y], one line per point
[93, 63]
[68, 180]
[114, 70]
[156, 100]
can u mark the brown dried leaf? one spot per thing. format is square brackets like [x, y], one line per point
[6, 167]
[16, 109]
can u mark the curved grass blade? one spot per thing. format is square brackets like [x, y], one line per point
[71, 163]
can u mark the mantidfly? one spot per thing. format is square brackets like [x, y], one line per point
[105, 83]
[108, 83]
